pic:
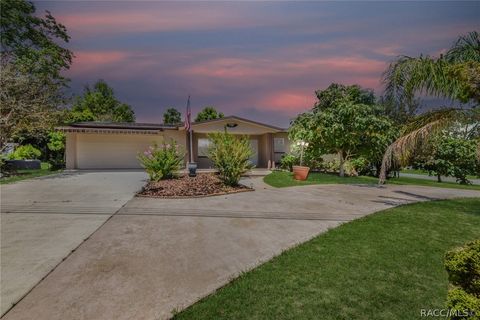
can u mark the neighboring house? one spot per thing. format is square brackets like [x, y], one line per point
[100, 145]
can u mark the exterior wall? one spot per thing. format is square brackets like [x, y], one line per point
[277, 156]
[71, 150]
[265, 150]
[113, 151]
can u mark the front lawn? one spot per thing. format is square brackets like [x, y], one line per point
[28, 174]
[425, 173]
[388, 265]
[282, 179]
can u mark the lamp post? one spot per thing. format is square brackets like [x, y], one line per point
[302, 145]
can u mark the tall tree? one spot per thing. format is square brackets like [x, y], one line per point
[32, 42]
[345, 121]
[99, 104]
[454, 75]
[32, 59]
[27, 106]
[172, 116]
[208, 113]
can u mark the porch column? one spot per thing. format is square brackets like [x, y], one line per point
[270, 147]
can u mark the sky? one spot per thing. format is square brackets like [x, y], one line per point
[258, 60]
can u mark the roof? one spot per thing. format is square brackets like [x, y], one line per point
[124, 125]
[240, 119]
[133, 126]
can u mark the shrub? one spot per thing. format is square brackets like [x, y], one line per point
[56, 145]
[230, 155]
[361, 165]
[462, 302]
[288, 161]
[25, 152]
[162, 162]
[463, 267]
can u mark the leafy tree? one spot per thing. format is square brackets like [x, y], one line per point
[455, 75]
[400, 112]
[32, 59]
[27, 106]
[208, 113]
[100, 104]
[172, 116]
[451, 156]
[344, 121]
[33, 43]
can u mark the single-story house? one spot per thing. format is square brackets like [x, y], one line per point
[101, 145]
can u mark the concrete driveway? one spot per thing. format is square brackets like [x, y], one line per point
[44, 219]
[156, 256]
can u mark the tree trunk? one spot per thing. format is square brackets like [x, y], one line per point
[342, 164]
[439, 178]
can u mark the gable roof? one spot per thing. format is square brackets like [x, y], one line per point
[242, 120]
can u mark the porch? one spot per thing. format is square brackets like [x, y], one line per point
[268, 143]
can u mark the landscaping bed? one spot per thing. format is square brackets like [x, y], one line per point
[204, 184]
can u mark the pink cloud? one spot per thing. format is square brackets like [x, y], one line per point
[241, 69]
[171, 19]
[86, 61]
[289, 102]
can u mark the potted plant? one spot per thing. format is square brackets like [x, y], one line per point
[301, 172]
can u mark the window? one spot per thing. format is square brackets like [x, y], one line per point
[203, 145]
[278, 144]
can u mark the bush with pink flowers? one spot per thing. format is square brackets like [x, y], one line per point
[162, 161]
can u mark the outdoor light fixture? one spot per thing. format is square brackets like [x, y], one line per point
[303, 144]
[232, 125]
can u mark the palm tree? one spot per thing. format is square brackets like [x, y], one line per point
[455, 76]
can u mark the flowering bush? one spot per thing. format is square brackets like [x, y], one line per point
[161, 162]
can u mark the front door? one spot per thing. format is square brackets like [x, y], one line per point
[254, 157]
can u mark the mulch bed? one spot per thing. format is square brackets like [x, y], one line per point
[204, 184]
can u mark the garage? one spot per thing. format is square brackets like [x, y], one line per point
[107, 146]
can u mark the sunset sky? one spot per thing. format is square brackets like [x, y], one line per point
[259, 60]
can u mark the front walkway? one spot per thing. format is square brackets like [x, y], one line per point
[157, 256]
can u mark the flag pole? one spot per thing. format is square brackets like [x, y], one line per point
[191, 145]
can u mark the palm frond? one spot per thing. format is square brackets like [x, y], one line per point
[415, 134]
[407, 76]
[465, 49]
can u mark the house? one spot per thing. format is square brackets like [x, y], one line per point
[100, 145]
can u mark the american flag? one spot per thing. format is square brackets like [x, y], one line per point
[188, 124]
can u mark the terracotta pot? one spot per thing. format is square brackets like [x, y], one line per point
[300, 172]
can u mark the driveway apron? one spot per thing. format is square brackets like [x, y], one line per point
[44, 219]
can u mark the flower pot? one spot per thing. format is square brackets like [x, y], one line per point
[300, 172]
[192, 169]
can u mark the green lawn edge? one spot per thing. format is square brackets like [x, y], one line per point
[282, 179]
[388, 265]
[29, 174]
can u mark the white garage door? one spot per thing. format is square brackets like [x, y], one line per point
[112, 151]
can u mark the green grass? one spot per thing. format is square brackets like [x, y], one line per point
[425, 173]
[388, 265]
[28, 174]
[281, 179]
